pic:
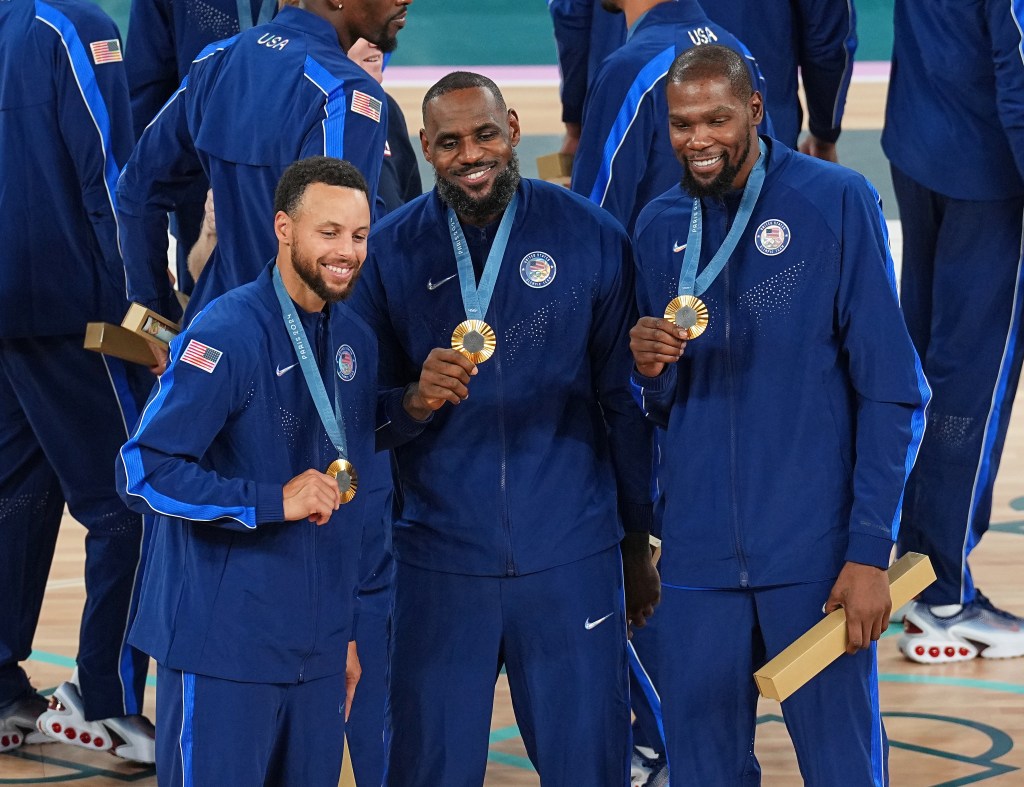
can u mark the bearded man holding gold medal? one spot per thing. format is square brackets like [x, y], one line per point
[248, 608]
[776, 359]
[502, 308]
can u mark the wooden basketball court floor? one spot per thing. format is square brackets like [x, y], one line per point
[948, 725]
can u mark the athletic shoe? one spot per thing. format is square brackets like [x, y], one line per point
[978, 629]
[648, 769]
[18, 722]
[897, 615]
[128, 737]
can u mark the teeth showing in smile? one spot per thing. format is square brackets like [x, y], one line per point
[476, 175]
[336, 270]
[705, 162]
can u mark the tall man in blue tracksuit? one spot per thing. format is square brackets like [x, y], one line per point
[794, 412]
[65, 130]
[164, 37]
[954, 134]
[624, 159]
[528, 465]
[249, 601]
[248, 108]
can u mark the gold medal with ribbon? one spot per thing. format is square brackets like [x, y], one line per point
[689, 313]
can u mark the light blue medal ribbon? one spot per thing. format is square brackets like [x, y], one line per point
[267, 9]
[688, 311]
[332, 418]
[474, 337]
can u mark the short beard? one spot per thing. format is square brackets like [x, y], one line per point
[497, 199]
[386, 44]
[309, 272]
[722, 184]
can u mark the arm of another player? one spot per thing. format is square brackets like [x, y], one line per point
[629, 434]
[572, 22]
[94, 115]
[1006, 21]
[827, 42]
[891, 395]
[151, 59]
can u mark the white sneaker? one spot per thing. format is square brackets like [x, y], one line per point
[18, 722]
[978, 629]
[128, 737]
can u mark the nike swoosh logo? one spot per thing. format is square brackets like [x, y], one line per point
[589, 625]
[433, 285]
[676, 248]
[282, 372]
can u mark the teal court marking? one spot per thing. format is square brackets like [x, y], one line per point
[58, 660]
[78, 770]
[1015, 528]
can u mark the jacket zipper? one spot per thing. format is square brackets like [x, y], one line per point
[733, 439]
[510, 560]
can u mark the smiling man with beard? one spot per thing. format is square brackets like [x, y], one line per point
[502, 306]
[793, 404]
[245, 452]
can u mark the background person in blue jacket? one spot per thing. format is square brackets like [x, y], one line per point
[248, 606]
[248, 108]
[65, 130]
[954, 135]
[792, 422]
[528, 464]
[164, 37]
[624, 159]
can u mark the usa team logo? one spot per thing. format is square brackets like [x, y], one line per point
[772, 237]
[537, 269]
[346, 363]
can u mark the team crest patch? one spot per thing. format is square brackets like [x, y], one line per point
[772, 237]
[201, 356]
[537, 269]
[345, 360]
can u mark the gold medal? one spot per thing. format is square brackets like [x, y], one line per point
[689, 313]
[475, 339]
[342, 471]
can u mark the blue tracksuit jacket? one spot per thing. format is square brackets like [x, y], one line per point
[521, 476]
[249, 107]
[970, 115]
[164, 37]
[231, 591]
[795, 419]
[818, 37]
[65, 126]
[625, 159]
[585, 35]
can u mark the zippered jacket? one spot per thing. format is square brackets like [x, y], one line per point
[538, 467]
[230, 589]
[794, 420]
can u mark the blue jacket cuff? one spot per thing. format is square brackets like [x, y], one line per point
[869, 550]
[269, 503]
[658, 384]
[636, 517]
[401, 423]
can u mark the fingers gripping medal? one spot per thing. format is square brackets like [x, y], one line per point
[687, 311]
[473, 337]
[341, 470]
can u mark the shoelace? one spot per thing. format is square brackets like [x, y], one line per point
[982, 601]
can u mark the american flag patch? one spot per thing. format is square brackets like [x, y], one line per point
[198, 354]
[365, 104]
[106, 51]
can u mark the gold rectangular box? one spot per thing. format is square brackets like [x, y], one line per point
[109, 339]
[555, 168]
[150, 325]
[826, 641]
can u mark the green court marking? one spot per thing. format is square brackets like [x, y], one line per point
[66, 661]
[963, 683]
[78, 770]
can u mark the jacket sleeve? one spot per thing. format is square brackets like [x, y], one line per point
[889, 386]
[395, 371]
[619, 122]
[629, 435]
[827, 42]
[159, 173]
[94, 116]
[161, 469]
[1005, 23]
[151, 59]
[572, 21]
[353, 126]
